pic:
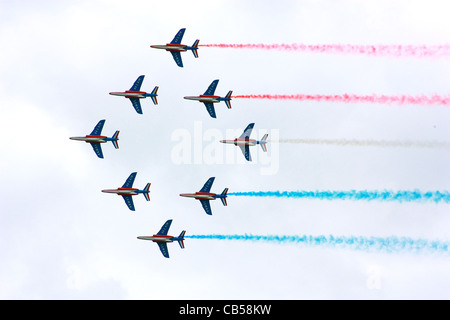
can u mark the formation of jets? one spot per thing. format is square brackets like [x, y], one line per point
[134, 94]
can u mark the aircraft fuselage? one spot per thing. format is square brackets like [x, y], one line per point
[123, 191]
[204, 98]
[171, 47]
[242, 142]
[131, 94]
[90, 139]
[157, 238]
[200, 195]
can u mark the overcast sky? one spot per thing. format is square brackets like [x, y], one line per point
[64, 239]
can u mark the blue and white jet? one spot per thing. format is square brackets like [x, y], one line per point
[127, 191]
[244, 142]
[208, 98]
[205, 196]
[134, 94]
[161, 238]
[95, 139]
[175, 47]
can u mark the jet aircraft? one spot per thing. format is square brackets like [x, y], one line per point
[208, 98]
[161, 238]
[175, 47]
[244, 142]
[127, 191]
[205, 196]
[134, 94]
[95, 139]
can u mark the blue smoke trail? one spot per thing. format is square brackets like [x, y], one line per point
[386, 195]
[391, 244]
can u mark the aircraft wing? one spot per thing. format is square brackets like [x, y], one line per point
[210, 107]
[130, 181]
[177, 57]
[97, 149]
[212, 88]
[246, 152]
[129, 202]
[178, 36]
[163, 248]
[165, 228]
[137, 84]
[136, 104]
[207, 186]
[98, 128]
[247, 132]
[206, 206]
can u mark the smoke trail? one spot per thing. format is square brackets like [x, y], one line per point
[369, 143]
[386, 195]
[421, 51]
[371, 244]
[354, 98]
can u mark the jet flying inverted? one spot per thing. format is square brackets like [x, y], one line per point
[161, 238]
[244, 142]
[205, 196]
[208, 98]
[175, 47]
[134, 94]
[95, 139]
[127, 190]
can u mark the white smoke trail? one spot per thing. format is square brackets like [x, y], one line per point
[371, 143]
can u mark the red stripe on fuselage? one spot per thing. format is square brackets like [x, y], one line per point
[164, 238]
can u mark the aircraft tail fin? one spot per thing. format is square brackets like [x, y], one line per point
[146, 194]
[228, 96]
[195, 45]
[153, 95]
[264, 140]
[116, 142]
[181, 236]
[224, 199]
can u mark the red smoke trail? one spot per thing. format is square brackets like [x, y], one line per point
[372, 50]
[353, 98]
